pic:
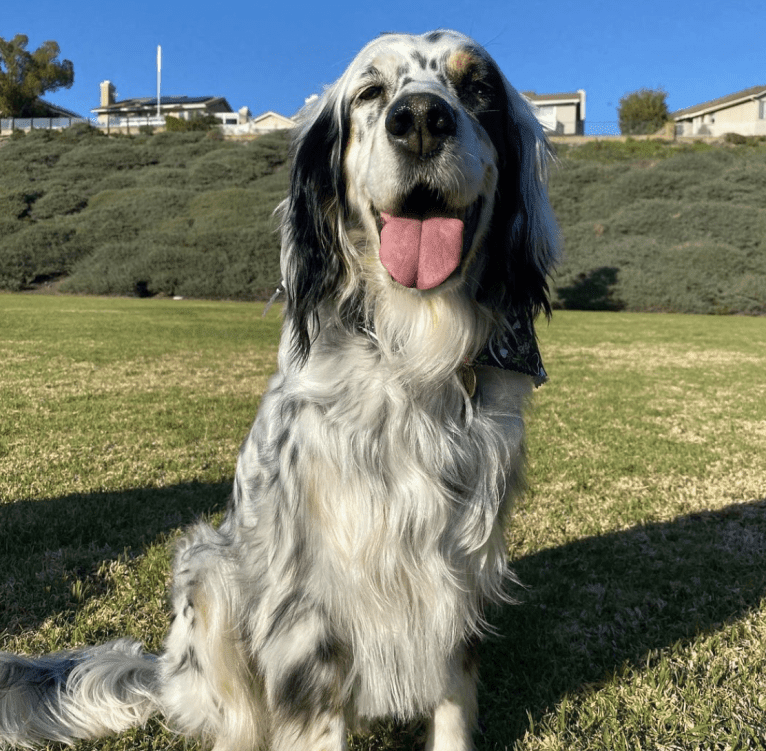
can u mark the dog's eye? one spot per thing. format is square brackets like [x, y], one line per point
[370, 93]
[475, 93]
[481, 90]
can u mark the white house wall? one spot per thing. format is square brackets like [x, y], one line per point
[746, 119]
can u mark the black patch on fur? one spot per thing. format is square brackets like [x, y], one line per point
[317, 195]
[188, 661]
[284, 615]
[434, 36]
[420, 59]
[509, 278]
[432, 64]
[310, 688]
[331, 651]
[303, 693]
[292, 459]
[282, 439]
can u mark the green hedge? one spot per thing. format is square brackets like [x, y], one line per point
[173, 213]
[672, 228]
[647, 225]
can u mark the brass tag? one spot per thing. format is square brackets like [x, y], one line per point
[468, 376]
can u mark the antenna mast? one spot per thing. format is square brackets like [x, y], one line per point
[159, 75]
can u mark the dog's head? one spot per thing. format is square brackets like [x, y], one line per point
[420, 169]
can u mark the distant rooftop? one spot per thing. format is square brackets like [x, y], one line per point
[149, 101]
[715, 104]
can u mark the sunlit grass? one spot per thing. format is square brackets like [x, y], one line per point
[641, 541]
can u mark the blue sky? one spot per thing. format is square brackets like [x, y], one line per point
[272, 55]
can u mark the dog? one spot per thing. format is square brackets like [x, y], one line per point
[365, 532]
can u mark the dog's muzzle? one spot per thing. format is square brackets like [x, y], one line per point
[419, 124]
[424, 239]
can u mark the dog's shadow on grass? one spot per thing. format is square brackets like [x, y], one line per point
[589, 606]
[46, 546]
[595, 604]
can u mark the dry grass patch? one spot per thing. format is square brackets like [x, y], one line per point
[641, 541]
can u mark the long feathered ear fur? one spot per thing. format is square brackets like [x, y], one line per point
[524, 239]
[312, 267]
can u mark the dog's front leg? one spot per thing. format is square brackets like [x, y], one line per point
[303, 670]
[454, 720]
[322, 733]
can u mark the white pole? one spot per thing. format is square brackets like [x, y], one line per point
[159, 72]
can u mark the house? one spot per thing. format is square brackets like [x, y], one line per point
[743, 112]
[272, 121]
[560, 114]
[240, 117]
[47, 116]
[145, 108]
[247, 125]
[47, 109]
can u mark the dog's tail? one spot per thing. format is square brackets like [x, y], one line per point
[81, 694]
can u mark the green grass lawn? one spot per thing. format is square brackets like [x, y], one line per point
[641, 541]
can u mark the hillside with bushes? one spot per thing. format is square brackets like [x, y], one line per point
[173, 213]
[657, 227]
[646, 225]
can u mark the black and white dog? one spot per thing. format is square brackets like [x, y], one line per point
[365, 532]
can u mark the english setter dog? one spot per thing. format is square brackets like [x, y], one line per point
[365, 531]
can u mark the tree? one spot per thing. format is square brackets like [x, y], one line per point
[25, 76]
[642, 112]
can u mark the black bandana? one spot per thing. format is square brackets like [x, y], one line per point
[515, 348]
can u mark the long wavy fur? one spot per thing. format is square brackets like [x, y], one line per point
[365, 532]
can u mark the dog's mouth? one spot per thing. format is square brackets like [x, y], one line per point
[423, 243]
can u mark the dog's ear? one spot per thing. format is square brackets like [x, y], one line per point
[524, 238]
[310, 218]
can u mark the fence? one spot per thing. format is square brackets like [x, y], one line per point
[10, 124]
[608, 128]
[122, 124]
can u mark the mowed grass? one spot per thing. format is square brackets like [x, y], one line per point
[641, 542]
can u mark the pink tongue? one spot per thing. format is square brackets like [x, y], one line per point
[420, 253]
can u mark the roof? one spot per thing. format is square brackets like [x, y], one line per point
[56, 111]
[165, 101]
[754, 92]
[271, 113]
[574, 96]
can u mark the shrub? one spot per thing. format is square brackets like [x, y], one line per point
[201, 123]
[642, 112]
[34, 251]
[13, 204]
[59, 200]
[610, 150]
[646, 225]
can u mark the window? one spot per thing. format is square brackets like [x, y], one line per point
[762, 109]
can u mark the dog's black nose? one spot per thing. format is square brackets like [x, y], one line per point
[420, 123]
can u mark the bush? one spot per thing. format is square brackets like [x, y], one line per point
[13, 204]
[685, 232]
[59, 200]
[646, 225]
[643, 112]
[180, 125]
[37, 250]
